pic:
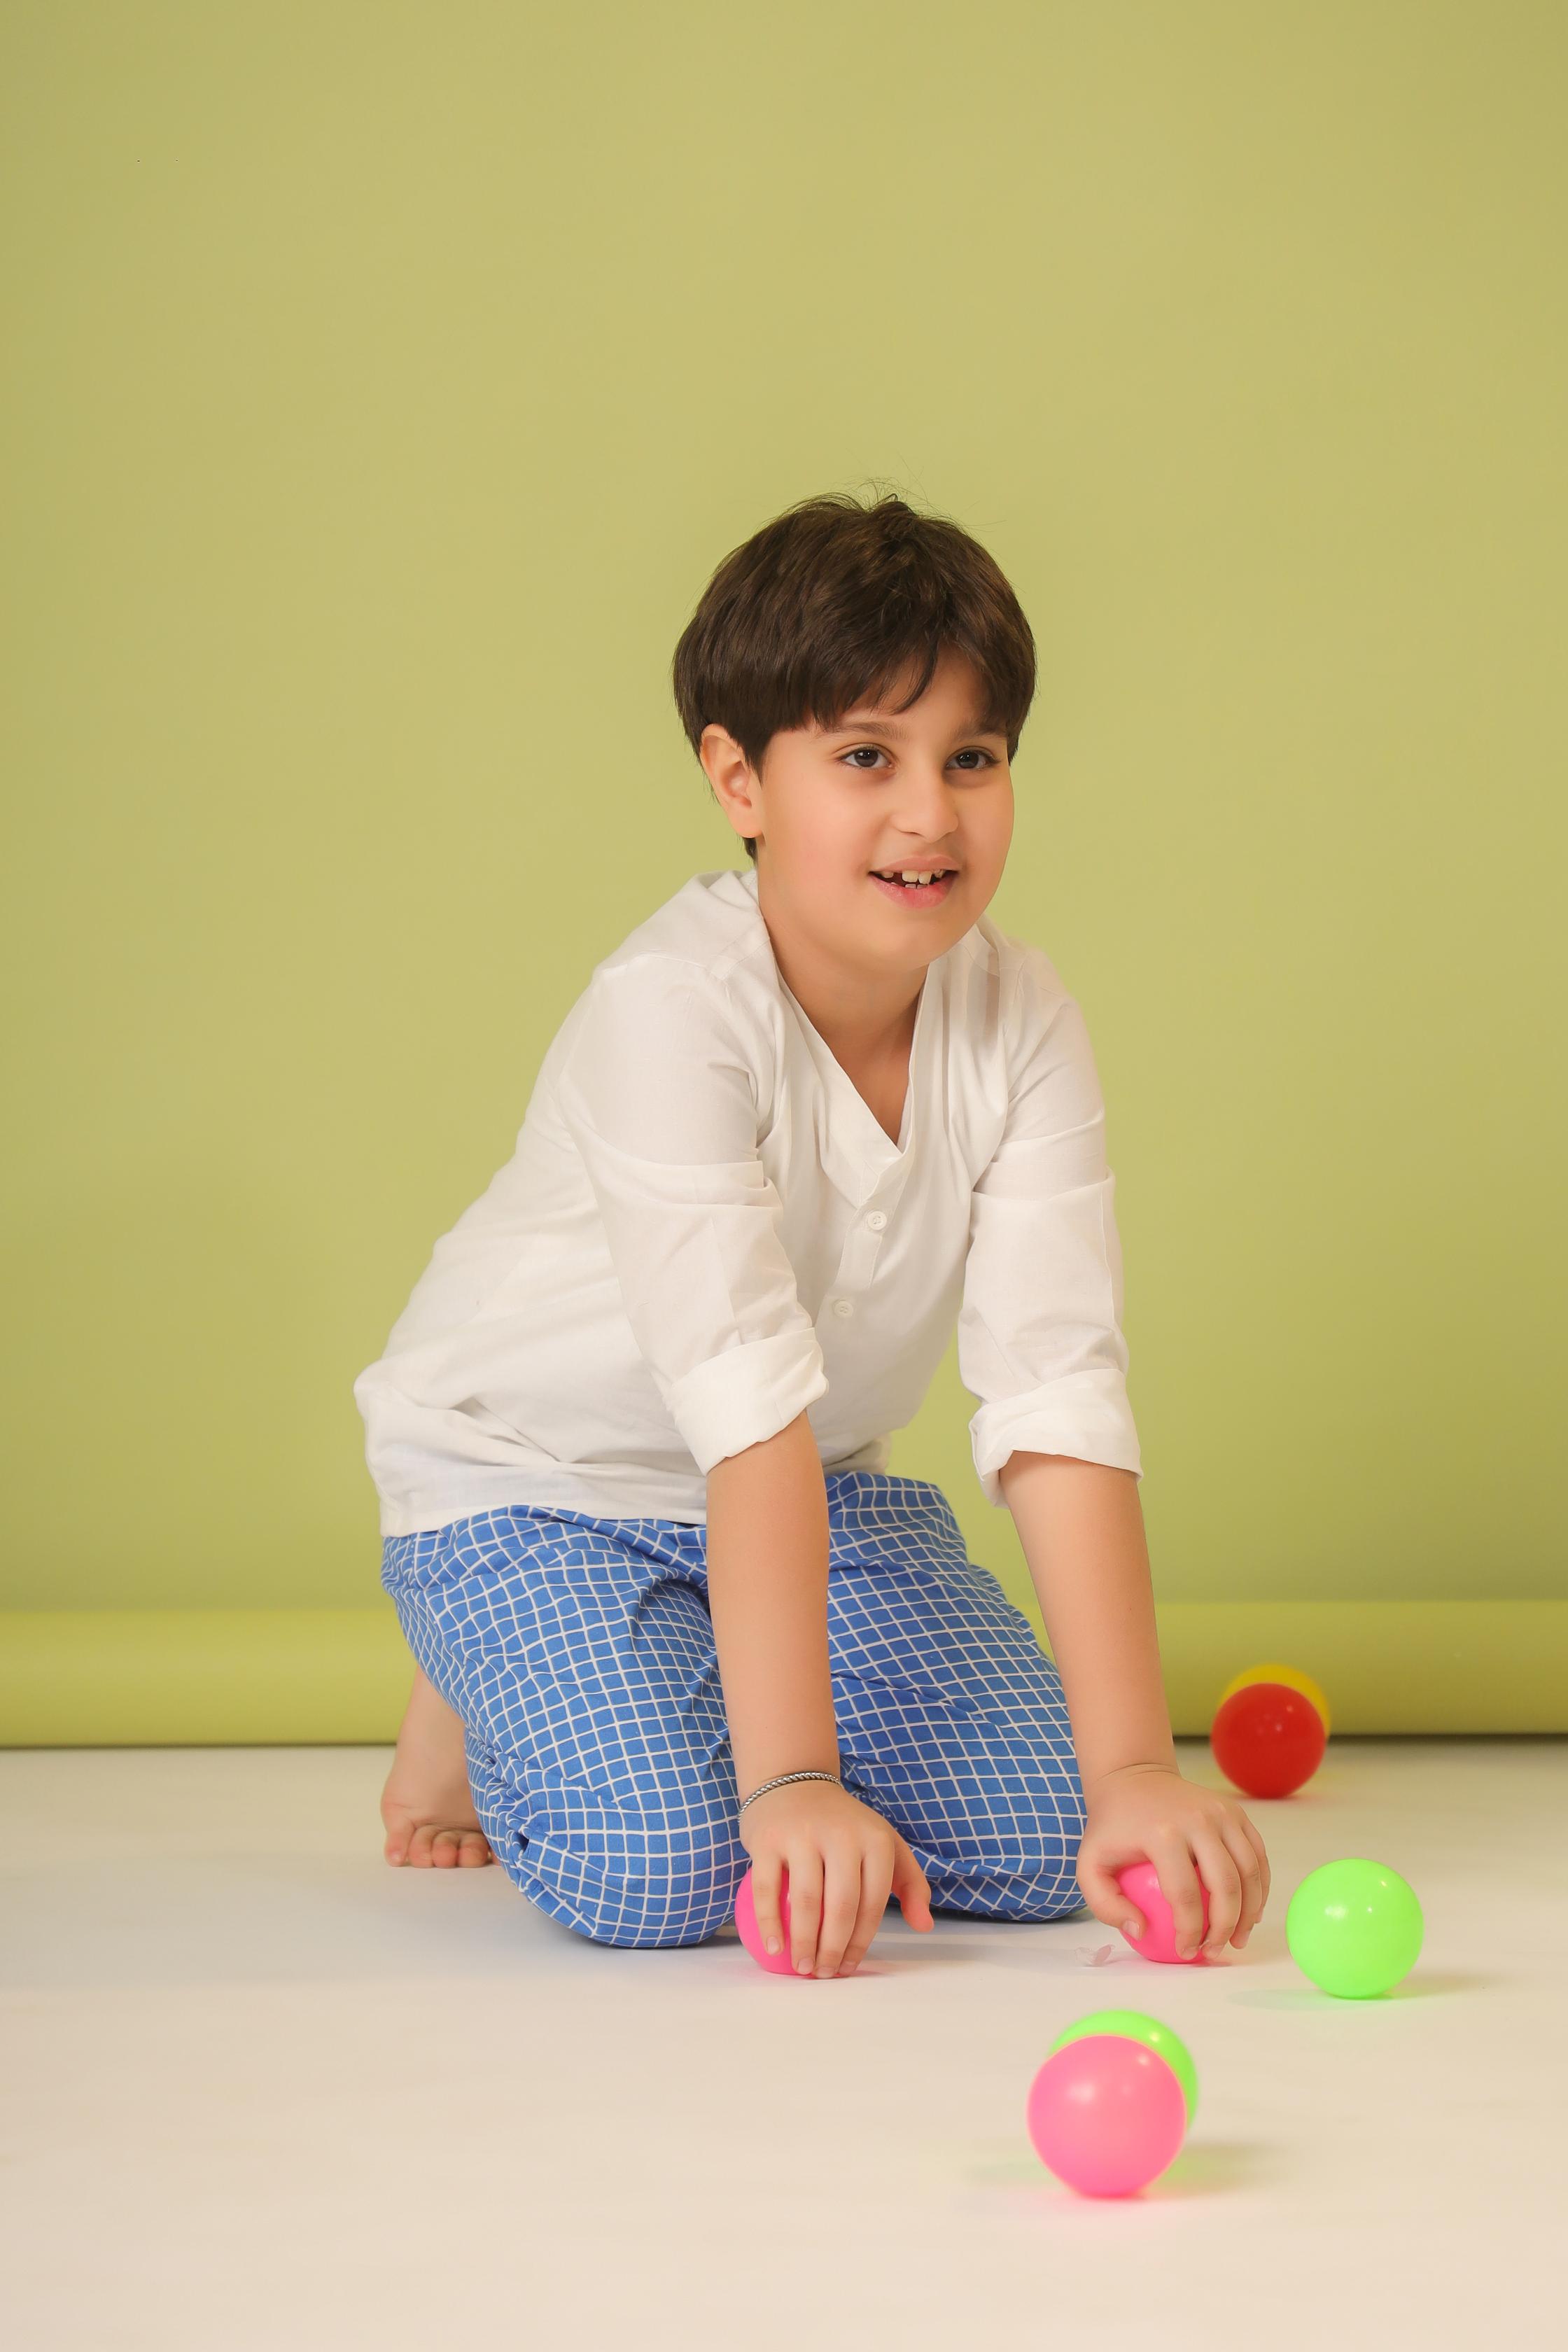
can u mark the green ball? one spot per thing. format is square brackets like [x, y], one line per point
[1354, 1928]
[1134, 2027]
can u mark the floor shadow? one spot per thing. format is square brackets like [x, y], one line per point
[1008, 2172]
[1202, 2168]
[1432, 1986]
[927, 1952]
[1208, 2168]
[917, 1957]
[1264, 1945]
[915, 1963]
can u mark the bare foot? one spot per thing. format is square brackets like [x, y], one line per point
[426, 1805]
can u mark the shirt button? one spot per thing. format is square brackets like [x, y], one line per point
[876, 1220]
[843, 1307]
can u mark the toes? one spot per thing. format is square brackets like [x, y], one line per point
[430, 1847]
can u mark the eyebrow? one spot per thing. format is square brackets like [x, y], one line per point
[873, 726]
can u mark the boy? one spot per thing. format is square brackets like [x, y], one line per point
[669, 1609]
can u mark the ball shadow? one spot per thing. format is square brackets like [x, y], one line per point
[1208, 2168]
[1435, 1986]
[1202, 2168]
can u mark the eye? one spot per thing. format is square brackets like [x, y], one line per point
[973, 751]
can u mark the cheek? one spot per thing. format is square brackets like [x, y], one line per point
[991, 838]
[823, 827]
[834, 850]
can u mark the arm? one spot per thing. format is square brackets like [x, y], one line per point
[767, 1594]
[767, 1591]
[1081, 1528]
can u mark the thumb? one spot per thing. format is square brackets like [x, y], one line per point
[1107, 1901]
[910, 1887]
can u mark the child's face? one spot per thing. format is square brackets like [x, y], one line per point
[898, 790]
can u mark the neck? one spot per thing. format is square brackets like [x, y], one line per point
[862, 1016]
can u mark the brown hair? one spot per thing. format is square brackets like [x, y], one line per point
[830, 604]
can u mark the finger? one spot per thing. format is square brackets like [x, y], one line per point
[473, 1850]
[1251, 1874]
[840, 1907]
[875, 1883]
[1256, 1841]
[419, 1846]
[766, 1878]
[397, 1846]
[1106, 1899]
[910, 1887]
[444, 1849]
[805, 1907]
[1216, 1864]
[1178, 1877]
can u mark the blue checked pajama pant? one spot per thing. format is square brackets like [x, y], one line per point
[579, 1653]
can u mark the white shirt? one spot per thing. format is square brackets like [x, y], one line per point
[704, 1230]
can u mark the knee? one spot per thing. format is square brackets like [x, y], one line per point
[1025, 1866]
[644, 1886]
[1044, 1859]
[1042, 1885]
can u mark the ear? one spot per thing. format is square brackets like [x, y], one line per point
[736, 785]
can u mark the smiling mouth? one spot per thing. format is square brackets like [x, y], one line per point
[916, 894]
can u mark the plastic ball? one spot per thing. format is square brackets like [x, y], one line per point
[779, 1963]
[1106, 2115]
[1293, 1679]
[1135, 2027]
[1140, 1882]
[1268, 1739]
[1354, 1928]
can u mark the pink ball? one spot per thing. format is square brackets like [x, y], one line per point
[777, 1964]
[1140, 1882]
[1106, 2115]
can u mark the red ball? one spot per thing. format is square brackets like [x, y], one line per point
[1268, 1739]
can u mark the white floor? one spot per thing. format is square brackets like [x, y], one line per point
[265, 2092]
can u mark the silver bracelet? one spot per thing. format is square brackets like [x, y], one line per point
[785, 1777]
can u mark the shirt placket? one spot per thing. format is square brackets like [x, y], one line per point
[862, 1248]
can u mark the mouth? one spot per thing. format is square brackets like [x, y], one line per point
[917, 894]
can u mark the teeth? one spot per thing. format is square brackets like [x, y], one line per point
[906, 878]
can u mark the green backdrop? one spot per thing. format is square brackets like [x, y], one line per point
[383, 385]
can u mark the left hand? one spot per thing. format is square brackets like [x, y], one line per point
[1147, 1812]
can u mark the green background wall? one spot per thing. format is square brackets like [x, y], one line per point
[383, 385]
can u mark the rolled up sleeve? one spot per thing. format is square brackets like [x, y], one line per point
[1039, 1329]
[659, 1096]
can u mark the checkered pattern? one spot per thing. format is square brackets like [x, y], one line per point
[579, 1653]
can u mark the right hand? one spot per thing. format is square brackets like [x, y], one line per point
[842, 1860]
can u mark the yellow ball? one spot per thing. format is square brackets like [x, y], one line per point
[1293, 1679]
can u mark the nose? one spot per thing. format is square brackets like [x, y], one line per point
[929, 807]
